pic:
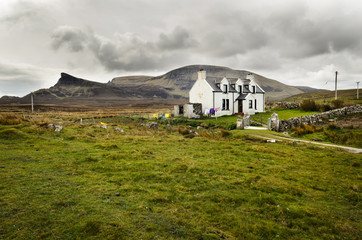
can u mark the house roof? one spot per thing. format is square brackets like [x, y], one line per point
[213, 81]
[242, 96]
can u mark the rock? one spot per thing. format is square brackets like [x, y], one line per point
[153, 125]
[199, 127]
[287, 105]
[193, 132]
[58, 128]
[119, 129]
[104, 126]
[270, 141]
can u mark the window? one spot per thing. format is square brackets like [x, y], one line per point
[250, 104]
[225, 104]
[225, 88]
[253, 89]
[240, 88]
[255, 104]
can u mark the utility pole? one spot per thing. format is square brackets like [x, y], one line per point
[357, 90]
[335, 95]
[32, 103]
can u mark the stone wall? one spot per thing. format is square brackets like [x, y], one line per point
[286, 105]
[189, 110]
[285, 125]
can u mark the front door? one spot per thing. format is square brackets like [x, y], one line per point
[240, 106]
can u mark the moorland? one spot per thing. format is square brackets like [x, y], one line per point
[173, 179]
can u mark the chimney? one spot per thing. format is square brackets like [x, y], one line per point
[201, 74]
[250, 76]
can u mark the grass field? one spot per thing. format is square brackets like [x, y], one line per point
[87, 182]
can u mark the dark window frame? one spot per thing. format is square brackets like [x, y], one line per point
[225, 88]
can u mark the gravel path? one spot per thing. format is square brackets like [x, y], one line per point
[349, 149]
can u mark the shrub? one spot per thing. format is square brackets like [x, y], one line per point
[306, 129]
[309, 105]
[298, 130]
[309, 129]
[332, 126]
[325, 107]
[225, 133]
[183, 130]
[10, 119]
[337, 103]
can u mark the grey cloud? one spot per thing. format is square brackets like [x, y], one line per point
[178, 39]
[71, 38]
[126, 52]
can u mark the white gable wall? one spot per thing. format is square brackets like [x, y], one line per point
[201, 92]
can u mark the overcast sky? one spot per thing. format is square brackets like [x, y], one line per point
[295, 42]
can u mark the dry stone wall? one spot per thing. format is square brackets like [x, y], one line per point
[285, 125]
[286, 105]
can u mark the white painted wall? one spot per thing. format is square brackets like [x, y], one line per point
[201, 92]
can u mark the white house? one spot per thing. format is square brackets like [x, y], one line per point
[228, 95]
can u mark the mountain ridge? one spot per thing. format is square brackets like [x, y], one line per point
[171, 86]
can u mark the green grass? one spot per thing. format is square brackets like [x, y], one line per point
[89, 183]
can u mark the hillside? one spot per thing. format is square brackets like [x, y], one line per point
[173, 87]
[180, 81]
[76, 91]
[349, 95]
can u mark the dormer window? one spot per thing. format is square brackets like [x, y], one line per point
[253, 89]
[225, 88]
[240, 90]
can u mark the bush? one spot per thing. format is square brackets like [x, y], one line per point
[325, 107]
[306, 129]
[332, 126]
[309, 105]
[337, 103]
[10, 119]
[225, 133]
[183, 130]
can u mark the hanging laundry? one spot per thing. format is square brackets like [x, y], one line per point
[167, 115]
[212, 111]
[207, 111]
